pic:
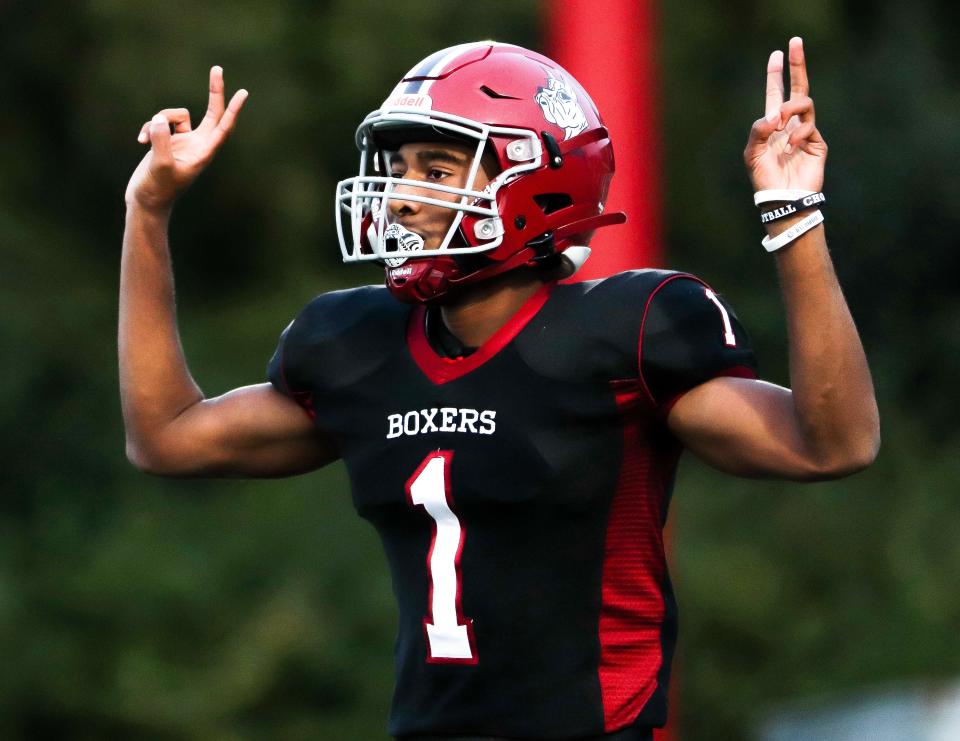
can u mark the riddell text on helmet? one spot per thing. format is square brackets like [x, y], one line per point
[443, 419]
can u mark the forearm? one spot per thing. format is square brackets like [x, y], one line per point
[833, 396]
[827, 425]
[155, 383]
[170, 428]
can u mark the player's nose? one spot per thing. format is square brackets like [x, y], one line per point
[399, 204]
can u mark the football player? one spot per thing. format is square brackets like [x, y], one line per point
[512, 439]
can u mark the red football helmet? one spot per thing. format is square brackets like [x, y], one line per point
[554, 155]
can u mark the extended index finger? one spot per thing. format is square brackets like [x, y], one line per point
[799, 85]
[215, 105]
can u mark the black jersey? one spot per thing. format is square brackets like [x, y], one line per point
[520, 492]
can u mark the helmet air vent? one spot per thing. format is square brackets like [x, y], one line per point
[491, 93]
[552, 202]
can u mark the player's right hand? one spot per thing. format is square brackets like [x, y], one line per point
[175, 160]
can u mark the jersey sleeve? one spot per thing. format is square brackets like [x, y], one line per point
[276, 373]
[689, 335]
[284, 371]
[336, 339]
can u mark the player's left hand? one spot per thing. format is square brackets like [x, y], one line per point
[785, 150]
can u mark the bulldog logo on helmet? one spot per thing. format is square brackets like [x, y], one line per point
[559, 104]
[396, 238]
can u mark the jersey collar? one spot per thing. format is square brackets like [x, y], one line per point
[441, 370]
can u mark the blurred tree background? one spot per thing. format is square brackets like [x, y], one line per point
[135, 607]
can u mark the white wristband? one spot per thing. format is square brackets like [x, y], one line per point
[772, 244]
[788, 194]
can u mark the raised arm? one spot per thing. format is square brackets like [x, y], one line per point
[171, 428]
[827, 424]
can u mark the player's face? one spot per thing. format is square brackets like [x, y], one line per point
[430, 162]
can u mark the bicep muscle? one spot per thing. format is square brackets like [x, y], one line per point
[250, 431]
[744, 427]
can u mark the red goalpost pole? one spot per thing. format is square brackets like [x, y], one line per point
[610, 47]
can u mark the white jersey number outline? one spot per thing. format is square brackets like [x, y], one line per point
[449, 633]
[728, 337]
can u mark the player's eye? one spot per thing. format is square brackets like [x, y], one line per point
[434, 174]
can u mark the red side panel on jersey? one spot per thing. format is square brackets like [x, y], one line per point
[633, 609]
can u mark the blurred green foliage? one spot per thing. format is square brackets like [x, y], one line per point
[133, 607]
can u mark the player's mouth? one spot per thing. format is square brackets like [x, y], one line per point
[429, 239]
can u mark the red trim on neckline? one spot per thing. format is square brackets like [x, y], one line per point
[441, 370]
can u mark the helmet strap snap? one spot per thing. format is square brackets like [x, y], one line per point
[554, 156]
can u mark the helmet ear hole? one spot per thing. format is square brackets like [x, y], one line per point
[552, 202]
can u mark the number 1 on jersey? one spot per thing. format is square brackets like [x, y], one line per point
[449, 634]
[729, 339]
